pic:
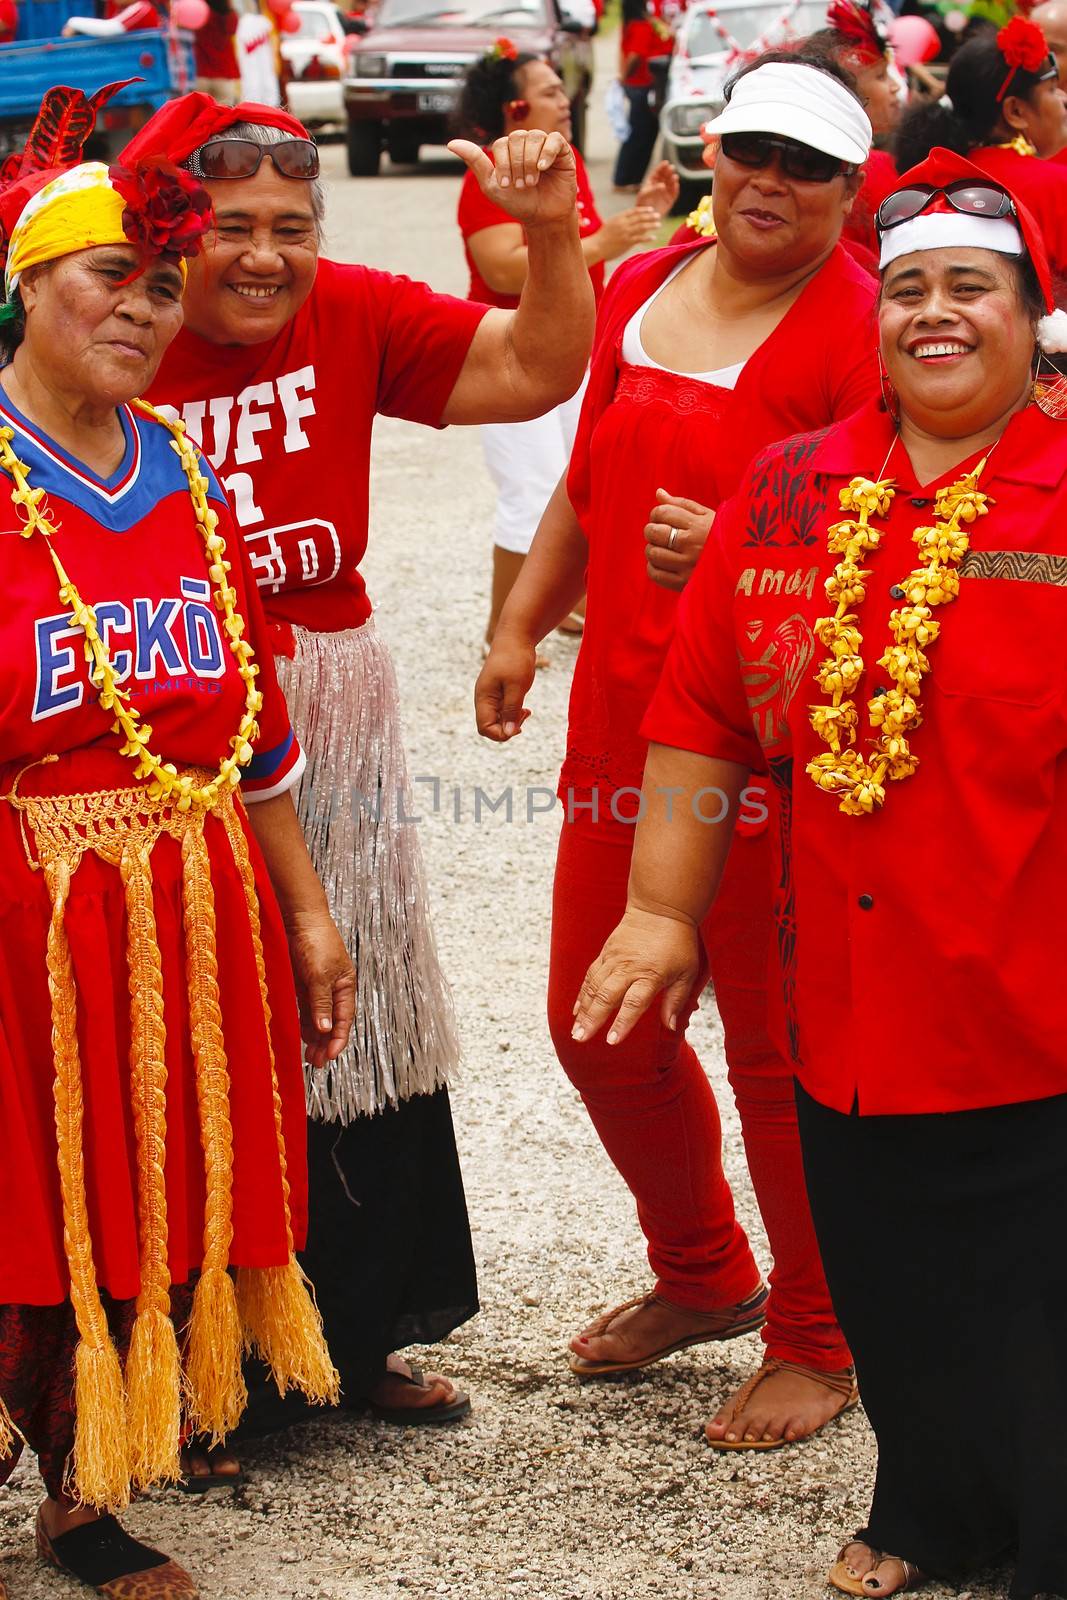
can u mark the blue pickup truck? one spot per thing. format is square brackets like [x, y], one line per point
[39, 57]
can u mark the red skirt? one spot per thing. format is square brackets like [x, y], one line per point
[33, 1266]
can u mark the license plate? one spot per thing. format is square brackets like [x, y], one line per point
[436, 102]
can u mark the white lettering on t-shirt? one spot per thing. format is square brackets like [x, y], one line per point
[250, 422]
[288, 385]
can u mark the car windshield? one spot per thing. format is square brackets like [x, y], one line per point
[461, 14]
[745, 24]
[313, 24]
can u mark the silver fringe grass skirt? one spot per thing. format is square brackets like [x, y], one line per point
[355, 806]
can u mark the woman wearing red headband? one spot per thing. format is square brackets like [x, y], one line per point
[1003, 109]
[284, 361]
[153, 1186]
[919, 752]
[702, 355]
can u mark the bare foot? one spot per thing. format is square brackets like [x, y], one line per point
[638, 1332]
[214, 1461]
[397, 1391]
[61, 1516]
[784, 1405]
[880, 1575]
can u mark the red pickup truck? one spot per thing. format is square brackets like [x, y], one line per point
[404, 73]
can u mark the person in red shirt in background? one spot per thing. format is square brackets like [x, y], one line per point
[644, 40]
[857, 43]
[217, 71]
[1003, 108]
[703, 355]
[9, 20]
[505, 91]
[921, 854]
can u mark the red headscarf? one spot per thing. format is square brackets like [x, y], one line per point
[182, 126]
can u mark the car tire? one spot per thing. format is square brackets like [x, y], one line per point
[404, 149]
[364, 144]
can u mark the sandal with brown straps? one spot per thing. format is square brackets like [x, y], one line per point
[731, 1322]
[841, 1579]
[842, 1383]
[104, 1556]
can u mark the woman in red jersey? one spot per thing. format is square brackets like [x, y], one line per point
[703, 354]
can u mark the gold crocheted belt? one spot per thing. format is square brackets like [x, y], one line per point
[129, 1422]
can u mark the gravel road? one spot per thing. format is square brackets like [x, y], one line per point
[550, 1491]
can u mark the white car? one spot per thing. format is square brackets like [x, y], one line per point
[711, 43]
[315, 61]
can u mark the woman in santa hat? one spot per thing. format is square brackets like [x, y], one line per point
[919, 754]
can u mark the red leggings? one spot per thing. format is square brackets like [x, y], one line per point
[654, 1109]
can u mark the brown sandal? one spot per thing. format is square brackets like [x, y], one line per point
[104, 1556]
[842, 1383]
[728, 1323]
[841, 1579]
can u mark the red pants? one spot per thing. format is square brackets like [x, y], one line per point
[654, 1109]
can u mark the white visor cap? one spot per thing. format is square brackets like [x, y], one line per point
[946, 230]
[798, 102]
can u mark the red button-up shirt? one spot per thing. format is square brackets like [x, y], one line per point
[921, 947]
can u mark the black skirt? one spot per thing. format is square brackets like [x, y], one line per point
[389, 1246]
[943, 1243]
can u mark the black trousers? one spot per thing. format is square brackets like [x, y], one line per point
[943, 1243]
[635, 152]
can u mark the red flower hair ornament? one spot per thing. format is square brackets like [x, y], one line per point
[167, 213]
[502, 50]
[1024, 47]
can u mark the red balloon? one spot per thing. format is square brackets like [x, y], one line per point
[289, 23]
[913, 40]
[278, 8]
[190, 14]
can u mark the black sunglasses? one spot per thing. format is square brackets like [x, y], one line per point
[242, 158]
[799, 161]
[971, 199]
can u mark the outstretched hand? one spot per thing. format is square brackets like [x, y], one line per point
[647, 955]
[660, 189]
[531, 175]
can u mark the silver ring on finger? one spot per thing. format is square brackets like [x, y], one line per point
[671, 538]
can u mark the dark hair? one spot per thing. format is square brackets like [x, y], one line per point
[973, 111]
[835, 44]
[634, 10]
[805, 55]
[491, 82]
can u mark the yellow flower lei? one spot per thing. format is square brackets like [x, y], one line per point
[701, 220]
[163, 779]
[894, 712]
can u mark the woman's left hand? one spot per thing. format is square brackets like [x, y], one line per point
[660, 189]
[531, 175]
[675, 534]
[325, 984]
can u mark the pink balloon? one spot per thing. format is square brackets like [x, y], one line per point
[190, 14]
[913, 40]
[289, 22]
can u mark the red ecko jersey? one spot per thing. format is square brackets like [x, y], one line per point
[131, 546]
[287, 425]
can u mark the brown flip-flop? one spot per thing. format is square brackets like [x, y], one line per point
[842, 1383]
[104, 1556]
[731, 1322]
[421, 1416]
[841, 1579]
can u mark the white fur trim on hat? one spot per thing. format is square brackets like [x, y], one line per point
[1052, 333]
[943, 230]
[798, 102]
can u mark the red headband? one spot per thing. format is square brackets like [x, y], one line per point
[1023, 45]
[182, 126]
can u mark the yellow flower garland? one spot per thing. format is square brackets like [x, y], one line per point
[163, 779]
[894, 712]
[701, 219]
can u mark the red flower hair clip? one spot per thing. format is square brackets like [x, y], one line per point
[167, 211]
[1024, 47]
[502, 50]
[858, 28]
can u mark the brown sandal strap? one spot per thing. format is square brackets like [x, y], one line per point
[842, 1383]
[598, 1328]
[914, 1578]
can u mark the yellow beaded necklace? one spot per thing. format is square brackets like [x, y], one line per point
[894, 712]
[163, 779]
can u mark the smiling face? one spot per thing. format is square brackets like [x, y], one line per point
[956, 339]
[772, 225]
[549, 108]
[95, 336]
[258, 266]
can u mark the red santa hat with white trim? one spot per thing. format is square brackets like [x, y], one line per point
[909, 221]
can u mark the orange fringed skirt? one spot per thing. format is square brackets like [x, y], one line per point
[151, 1102]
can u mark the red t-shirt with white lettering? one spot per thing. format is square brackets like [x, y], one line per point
[287, 426]
[476, 212]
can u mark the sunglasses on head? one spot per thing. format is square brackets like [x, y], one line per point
[242, 158]
[972, 199]
[799, 161]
